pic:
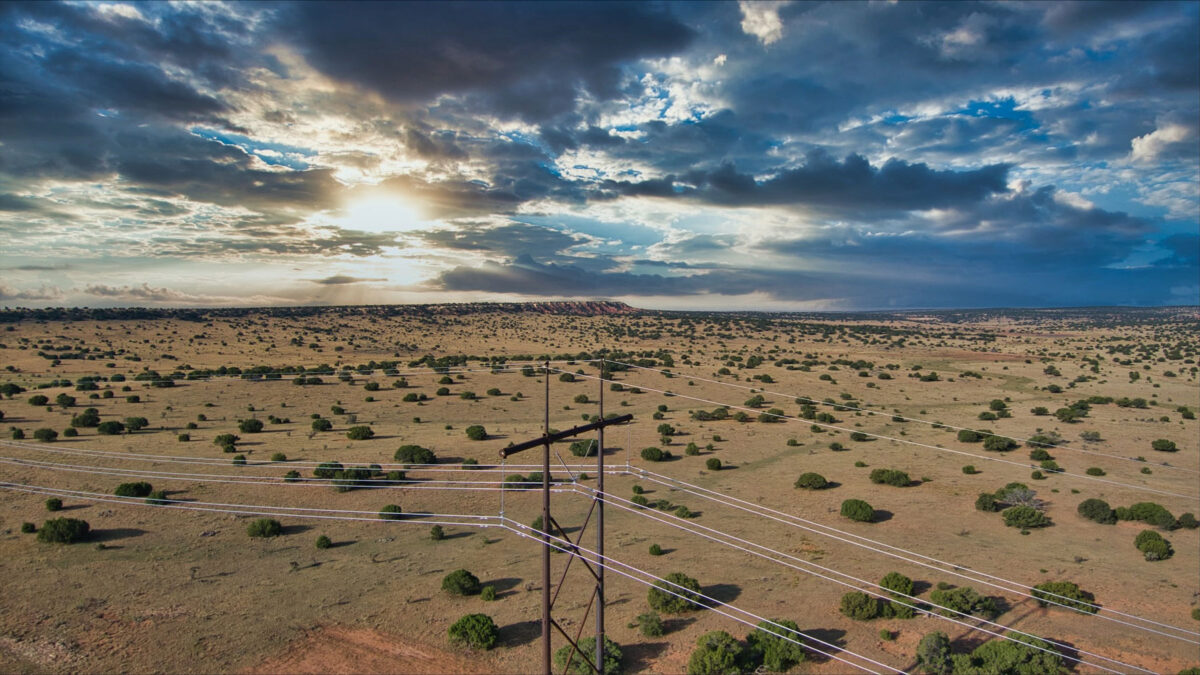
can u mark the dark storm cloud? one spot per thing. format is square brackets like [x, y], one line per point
[526, 59]
[851, 185]
[277, 241]
[509, 240]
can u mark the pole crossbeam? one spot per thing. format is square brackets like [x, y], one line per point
[560, 435]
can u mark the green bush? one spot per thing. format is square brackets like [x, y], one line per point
[460, 582]
[860, 606]
[264, 527]
[716, 653]
[1097, 510]
[1065, 593]
[321, 424]
[1188, 521]
[650, 624]
[1163, 445]
[586, 448]
[138, 489]
[436, 533]
[488, 593]
[677, 593]
[1039, 455]
[110, 428]
[476, 432]
[1025, 517]
[1021, 654]
[968, 436]
[415, 454]
[157, 498]
[654, 454]
[391, 512]
[360, 433]
[250, 426]
[1153, 514]
[324, 542]
[326, 470]
[1153, 546]
[857, 509]
[712, 464]
[933, 653]
[28, 528]
[223, 440]
[890, 477]
[475, 631]
[54, 504]
[63, 530]
[584, 658]
[45, 435]
[999, 444]
[1094, 471]
[655, 549]
[965, 600]
[773, 646]
[970, 470]
[239, 460]
[811, 481]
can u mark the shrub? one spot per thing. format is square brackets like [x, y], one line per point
[999, 444]
[1153, 546]
[239, 460]
[391, 512]
[1065, 593]
[968, 436]
[1188, 521]
[1025, 517]
[655, 549]
[651, 624]
[965, 600]
[88, 418]
[138, 489]
[28, 528]
[224, 440]
[933, 653]
[970, 470]
[586, 448]
[1094, 471]
[676, 593]
[54, 504]
[811, 481]
[654, 454]
[1154, 514]
[857, 509]
[291, 476]
[110, 428]
[157, 498]
[250, 426]
[859, 436]
[890, 477]
[1097, 510]
[773, 644]
[45, 435]
[360, 433]
[264, 527]
[38, 400]
[716, 653]
[860, 606]
[475, 631]
[1039, 455]
[1020, 654]
[712, 464]
[321, 424]
[460, 582]
[584, 658]
[415, 454]
[63, 530]
[184, 438]
[1163, 445]
[17, 434]
[72, 432]
[692, 449]
[683, 512]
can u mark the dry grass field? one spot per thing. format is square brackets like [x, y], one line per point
[163, 589]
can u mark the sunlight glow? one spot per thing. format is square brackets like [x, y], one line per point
[381, 212]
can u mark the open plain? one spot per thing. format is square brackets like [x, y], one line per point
[170, 588]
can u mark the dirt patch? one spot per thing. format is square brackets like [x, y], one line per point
[344, 650]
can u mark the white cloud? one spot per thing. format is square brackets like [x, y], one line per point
[1150, 146]
[761, 19]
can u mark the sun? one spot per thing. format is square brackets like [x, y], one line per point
[381, 212]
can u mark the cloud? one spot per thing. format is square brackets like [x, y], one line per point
[340, 279]
[525, 59]
[1169, 139]
[761, 19]
[146, 294]
[41, 293]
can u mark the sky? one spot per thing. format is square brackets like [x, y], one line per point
[711, 156]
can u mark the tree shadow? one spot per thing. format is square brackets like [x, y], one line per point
[829, 485]
[881, 516]
[668, 551]
[677, 624]
[637, 657]
[520, 633]
[74, 507]
[722, 592]
[503, 584]
[342, 544]
[920, 587]
[829, 636]
[296, 529]
[115, 533]
[457, 535]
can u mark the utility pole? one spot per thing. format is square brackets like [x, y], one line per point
[548, 522]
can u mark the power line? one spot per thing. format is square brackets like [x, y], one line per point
[847, 537]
